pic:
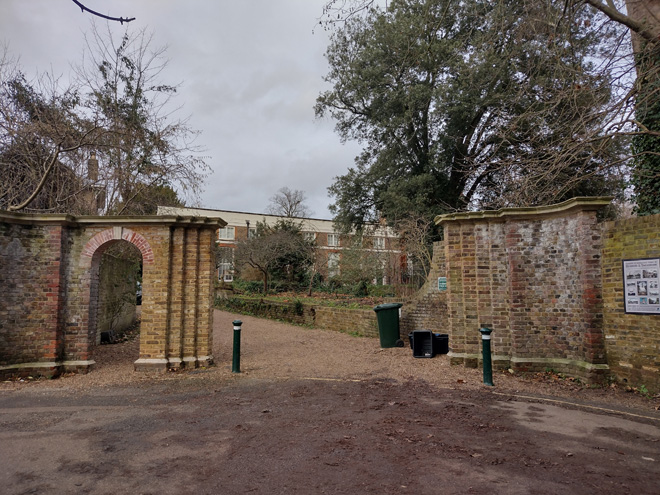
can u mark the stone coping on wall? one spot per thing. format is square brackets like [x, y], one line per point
[65, 219]
[580, 203]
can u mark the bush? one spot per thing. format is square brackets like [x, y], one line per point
[382, 291]
[248, 286]
[361, 289]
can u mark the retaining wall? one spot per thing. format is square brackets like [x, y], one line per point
[359, 321]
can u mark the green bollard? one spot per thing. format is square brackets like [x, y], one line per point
[488, 365]
[236, 358]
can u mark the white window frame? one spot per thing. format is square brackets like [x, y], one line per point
[379, 243]
[309, 236]
[252, 232]
[227, 233]
[225, 272]
[226, 266]
[333, 240]
[333, 265]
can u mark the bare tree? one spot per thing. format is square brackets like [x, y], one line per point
[415, 241]
[146, 148]
[642, 17]
[290, 204]
[266, 249]
[339, 11]
[360, 264]
[43, 139]
[119, 110]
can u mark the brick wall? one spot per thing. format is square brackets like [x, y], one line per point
[50, 274]
[549, 282]
[533, 276]
[632, 340]
[30, 316]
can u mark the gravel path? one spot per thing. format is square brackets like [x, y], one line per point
[274, 350]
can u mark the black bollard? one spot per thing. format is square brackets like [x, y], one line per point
[488, 364]
[236, 358]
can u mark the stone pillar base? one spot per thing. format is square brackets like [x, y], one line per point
[468, 360]
[47, 369]
[149, 364]
[164, 364]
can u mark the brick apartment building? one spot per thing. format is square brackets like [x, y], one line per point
[382, 241]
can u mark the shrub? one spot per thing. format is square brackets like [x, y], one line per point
[248, 286]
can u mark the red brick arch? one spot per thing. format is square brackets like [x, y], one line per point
[56, 259]
[120, 233]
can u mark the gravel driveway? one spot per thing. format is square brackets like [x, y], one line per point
[315, 411]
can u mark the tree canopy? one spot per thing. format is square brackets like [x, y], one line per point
[470, 104]
[634, 112]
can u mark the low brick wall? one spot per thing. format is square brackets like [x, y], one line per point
[359, 321]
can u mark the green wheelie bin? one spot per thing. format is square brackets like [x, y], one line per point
[388, 324]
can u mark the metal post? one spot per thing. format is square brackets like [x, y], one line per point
[488, 365]
[236, 358]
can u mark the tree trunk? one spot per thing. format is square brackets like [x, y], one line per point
[646, 13]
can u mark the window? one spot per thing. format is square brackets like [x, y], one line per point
[379, 243]
[309, 236]
[252, 233]
[225, 264]
[226, 233]
[225, 272]
[333, 264]
[333, 240]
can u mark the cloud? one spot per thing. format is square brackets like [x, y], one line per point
[250, 73]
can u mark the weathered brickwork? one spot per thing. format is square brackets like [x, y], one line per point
[533, 276]
[31, 295]
[50, 269]
[632, 340]
[427, 310]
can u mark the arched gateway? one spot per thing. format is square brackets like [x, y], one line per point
[49, 266]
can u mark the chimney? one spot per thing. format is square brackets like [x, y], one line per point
[93, 168]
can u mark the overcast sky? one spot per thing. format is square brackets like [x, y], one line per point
[250, 71]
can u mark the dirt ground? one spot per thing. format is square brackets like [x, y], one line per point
[315, 411]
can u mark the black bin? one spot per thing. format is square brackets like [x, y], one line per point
[425, 343]
[440, 343]
[421, 342]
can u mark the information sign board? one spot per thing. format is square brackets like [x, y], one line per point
[641, 286]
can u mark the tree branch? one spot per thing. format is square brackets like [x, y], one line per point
[627, 21]
[121, 20]
[41, 184]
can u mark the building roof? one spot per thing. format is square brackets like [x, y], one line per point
[239, 218]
